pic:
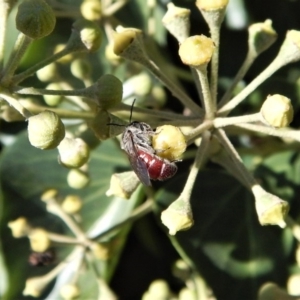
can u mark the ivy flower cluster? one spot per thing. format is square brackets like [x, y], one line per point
[100, 103]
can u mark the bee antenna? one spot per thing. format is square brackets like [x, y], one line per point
[131, 109]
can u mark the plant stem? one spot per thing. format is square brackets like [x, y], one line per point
[196, 132]
[282, 133]
[215, 36]
[207, 97]
[198, 162]
[175, 90]
[276, 64]
[30, 71]
[21, 46]
[236, 159]
[62, 113]
[239, 76]
[15, 104]
[4, 11]
[222, 122]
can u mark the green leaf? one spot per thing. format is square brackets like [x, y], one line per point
[25, 173]
[226, 245]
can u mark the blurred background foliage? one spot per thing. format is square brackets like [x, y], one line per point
[227, 246]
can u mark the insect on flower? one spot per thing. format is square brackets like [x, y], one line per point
[136, 142]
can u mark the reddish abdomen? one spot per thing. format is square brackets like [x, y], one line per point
[158, 168]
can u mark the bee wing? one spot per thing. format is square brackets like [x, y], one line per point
[138, 165]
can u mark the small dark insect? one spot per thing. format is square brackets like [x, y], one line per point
[136, 142]
[40, 259]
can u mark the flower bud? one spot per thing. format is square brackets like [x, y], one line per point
[186, 294]
[45, 130]
[86, 36]
[213, 11]
[19, 227]
[35, 286]
[69, 291]
[177, 22]
[101, 250]
[139, 85]
[72, 204]
[261, 36]
[159, 289]
[73, 153]
[178, 216]
[47, 73]
[66, 59]
[169, 142]
[91, 10]
[102, 125]
[108, 91]
[196, 51]
[53, 100]
[81, 69]
[35, 18]
[78, 179]
[293, 284]
[277, 111]
[270, 291]
[290, 49]
[111, 56]
[123, 185]
[270, 209]
[124, 38]
[39, 240]
[211, 4]
[49, 195]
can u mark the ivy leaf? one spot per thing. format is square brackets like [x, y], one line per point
[25, 173]
[227, 246]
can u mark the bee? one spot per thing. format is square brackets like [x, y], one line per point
[147, 165]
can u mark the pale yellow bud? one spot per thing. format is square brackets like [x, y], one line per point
[88, 33]
[69, 291]
[100, 250]
[49, 195]
[123, 185]
[72, 204]
[45, 130]
[73, 153]
[211, 4]
[270, 209]
[159, 289]
[48, 73]
[81, 68]
[53, 100]
[124, 38]
[178, 216]
[39, 240]
[261, 36]
[19, 227]
[34, 286]
[66, 59]
[277, 111]
[78, 179]
[91, 10]
[293, 284]
[169, 142]
[177, 21]
[196, 51]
